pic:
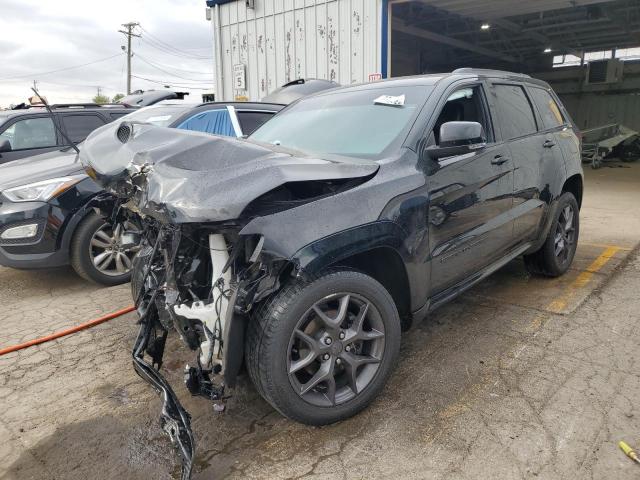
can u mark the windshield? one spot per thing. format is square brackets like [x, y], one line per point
[361, 123]
[160, 115]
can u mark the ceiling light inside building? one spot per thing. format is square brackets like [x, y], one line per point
[485, 26]
[547, 50]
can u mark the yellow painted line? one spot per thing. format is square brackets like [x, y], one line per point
[560, 304]
[604, 245]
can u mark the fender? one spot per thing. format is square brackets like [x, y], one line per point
[101, 201]
[544, 232]
[329, 250]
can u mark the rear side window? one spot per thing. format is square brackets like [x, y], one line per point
[79, 126]
[116, 115]
[31, 133]
[548, 108]
[250, 121]
[217, 122]
[516, 114]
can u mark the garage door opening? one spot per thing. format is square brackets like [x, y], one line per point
[589, 51]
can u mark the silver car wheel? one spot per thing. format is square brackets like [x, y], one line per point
[107, 251]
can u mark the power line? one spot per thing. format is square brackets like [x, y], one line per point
[31, 75]
[172, 84]
[158, 44]
[169, 73]
[169, 47]
[78, 85]
[151, 44]
[171, 67]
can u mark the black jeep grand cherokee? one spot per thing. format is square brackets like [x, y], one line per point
[307, 248]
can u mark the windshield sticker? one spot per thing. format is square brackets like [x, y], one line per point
[394, 101]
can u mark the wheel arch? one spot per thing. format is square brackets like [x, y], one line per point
[574, 185]
[384, 265]
[99, 201]
[374, 249]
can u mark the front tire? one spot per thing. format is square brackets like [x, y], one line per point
[96, 252]
[556, 254]
[321, 350]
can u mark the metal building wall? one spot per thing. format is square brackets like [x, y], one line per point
[282, 40]
[595, 109]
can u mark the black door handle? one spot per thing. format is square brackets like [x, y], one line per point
[499, 160]
[549, 144]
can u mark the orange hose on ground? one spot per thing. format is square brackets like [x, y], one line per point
[68, 331]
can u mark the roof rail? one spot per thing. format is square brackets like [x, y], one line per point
[87, 105]
[77, 105]
[489, 71]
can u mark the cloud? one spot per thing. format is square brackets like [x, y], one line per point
[38, 37]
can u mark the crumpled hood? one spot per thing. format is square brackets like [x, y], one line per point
[38, 168]
[180, 176]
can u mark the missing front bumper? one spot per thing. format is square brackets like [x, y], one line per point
[175, 421]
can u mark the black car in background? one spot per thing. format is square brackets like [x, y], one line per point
[45, 216]
[31, 131]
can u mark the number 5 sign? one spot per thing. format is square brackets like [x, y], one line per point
[239, 76]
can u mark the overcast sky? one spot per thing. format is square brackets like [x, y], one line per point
[38, 37]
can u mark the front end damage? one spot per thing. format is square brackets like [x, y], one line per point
[196, 272]
[200, 282]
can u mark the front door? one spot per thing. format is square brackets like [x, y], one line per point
[29, 135]
[470, 198]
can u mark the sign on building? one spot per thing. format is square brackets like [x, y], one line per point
[239, 77]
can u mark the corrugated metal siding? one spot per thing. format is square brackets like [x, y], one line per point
[282, 40]
[592, 110]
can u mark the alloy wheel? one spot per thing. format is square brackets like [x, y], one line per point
[107, 251]
[565, 234]
[335, 350]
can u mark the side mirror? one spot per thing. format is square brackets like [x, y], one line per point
[5, 145]
[458, 138]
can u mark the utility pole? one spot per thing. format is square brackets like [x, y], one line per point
[129, 33]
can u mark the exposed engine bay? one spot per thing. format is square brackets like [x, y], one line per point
[198, 271]
[186, 279]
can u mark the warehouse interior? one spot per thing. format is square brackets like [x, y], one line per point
[588, 50]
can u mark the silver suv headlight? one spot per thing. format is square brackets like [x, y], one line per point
[42, 191]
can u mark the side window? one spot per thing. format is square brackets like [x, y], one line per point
[250, 121]
[217, 122]
[516, 115]
[79, 126]
[464, 105]
[31, 133]
[117, 115]
[548, 108]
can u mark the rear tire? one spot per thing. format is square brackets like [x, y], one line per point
[352, 344]
[82, 256]
[556, 254]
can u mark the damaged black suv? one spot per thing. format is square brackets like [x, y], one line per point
[304, 250]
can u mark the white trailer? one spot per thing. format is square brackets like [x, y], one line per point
[259, 45]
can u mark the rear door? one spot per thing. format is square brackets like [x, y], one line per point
[79, 125]
[29, 135]
[556, 123]
[520, 131]
[470, 221]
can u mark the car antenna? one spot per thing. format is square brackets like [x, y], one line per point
[60, 131]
